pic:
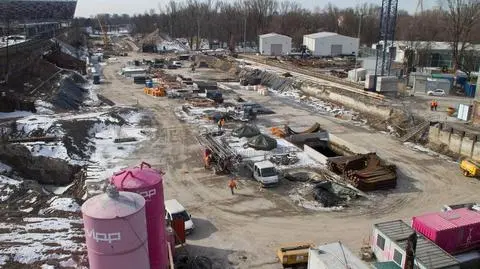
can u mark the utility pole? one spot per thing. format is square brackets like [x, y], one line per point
[358, 49]
[245, 35]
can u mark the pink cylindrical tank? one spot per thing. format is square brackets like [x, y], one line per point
[148, 182]
[116, 230]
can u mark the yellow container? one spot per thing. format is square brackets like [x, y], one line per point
[294, 253]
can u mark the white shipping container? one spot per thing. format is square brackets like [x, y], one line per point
[387, 84]
[356, 75]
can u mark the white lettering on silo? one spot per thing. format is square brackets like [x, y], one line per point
[104, 237]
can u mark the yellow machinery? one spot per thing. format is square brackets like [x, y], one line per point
[294, 254]
[470, 168]
[156, 92]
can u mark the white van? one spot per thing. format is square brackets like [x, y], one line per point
[175, 210]
[178, 64]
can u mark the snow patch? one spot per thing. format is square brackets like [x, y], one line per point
[43, 107]
[61, 204]
[5, 168]
[4, 181]
[40, 239]
[15, 114]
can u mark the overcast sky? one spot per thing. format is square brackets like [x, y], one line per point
[86, 8]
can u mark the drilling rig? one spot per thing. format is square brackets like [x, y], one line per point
[386, 51]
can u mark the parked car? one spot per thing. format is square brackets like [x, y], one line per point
[437, 92]
[174, 210]
[178, 64]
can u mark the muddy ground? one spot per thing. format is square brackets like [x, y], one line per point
[242, 231]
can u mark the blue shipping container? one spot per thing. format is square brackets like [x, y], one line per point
[149, 84]
[470, 89]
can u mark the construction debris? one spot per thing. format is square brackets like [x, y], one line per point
[367, 172]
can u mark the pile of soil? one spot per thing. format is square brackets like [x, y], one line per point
[70, 94]
[331, 194]
[42, 169]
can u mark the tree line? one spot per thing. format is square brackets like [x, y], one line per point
[456, 21]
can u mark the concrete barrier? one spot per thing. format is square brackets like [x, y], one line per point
[457, 141]
[315, 155]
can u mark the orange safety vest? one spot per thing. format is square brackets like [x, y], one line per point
[232, 184]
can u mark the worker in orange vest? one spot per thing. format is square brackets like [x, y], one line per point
[432, 105]
[220, 124]
[232, 184]
[207, 160]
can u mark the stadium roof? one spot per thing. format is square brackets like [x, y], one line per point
[25, 11]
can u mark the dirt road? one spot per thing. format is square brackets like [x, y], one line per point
[242, 231]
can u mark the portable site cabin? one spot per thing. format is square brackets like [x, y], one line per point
[327, 257]
[274, 44]
[330, 44]
[389, 240]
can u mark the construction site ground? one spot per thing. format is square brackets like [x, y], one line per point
[418, 103]
[243, 230]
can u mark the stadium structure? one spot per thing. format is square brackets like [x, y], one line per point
[30, 11]
[27, 28]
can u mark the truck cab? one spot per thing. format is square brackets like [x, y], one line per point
[265, 173]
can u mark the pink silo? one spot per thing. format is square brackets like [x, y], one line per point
[148, 182]
[116, 230]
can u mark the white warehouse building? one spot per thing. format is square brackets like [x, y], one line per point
[274, 44]
[330, 44]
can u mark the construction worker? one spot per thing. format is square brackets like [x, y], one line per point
[220, 123]
[435, 105]
[207, 160]
[232, 184]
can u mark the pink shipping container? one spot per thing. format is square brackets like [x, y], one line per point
[148, 182]
[454, 230]
[116, 231]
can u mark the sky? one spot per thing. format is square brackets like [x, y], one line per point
[86, 8]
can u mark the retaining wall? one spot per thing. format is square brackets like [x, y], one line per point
[358, 102]
[458, 141]
[315, 155]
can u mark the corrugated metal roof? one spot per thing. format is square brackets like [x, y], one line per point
[386, 265]
[321, 34]
[429, 254]
[336, 256]
[273, 34]
[450, 219]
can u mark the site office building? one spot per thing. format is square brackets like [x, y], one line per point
[389, 241]
[274, 44]
[324, 44]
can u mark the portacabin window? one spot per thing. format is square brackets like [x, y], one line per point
[380, 242]
[397, 257]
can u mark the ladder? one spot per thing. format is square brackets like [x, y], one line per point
[414, 131]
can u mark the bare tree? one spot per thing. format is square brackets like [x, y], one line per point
[462, 15]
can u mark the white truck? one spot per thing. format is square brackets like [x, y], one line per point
[264, 172]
